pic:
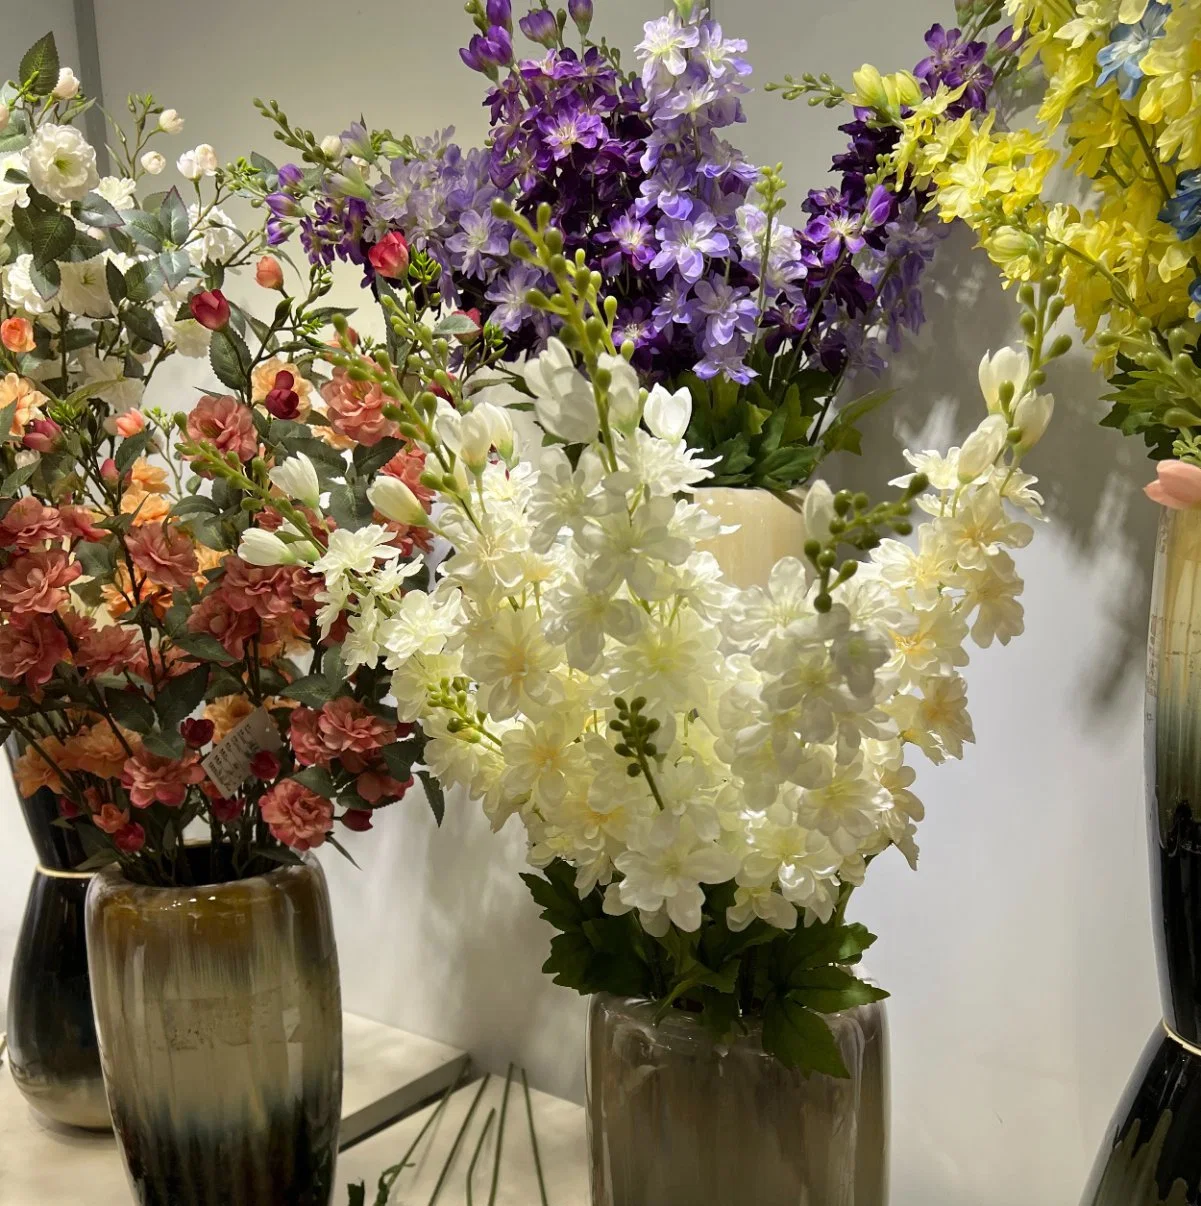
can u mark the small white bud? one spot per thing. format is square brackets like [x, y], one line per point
[170, 122]
[981, 449]
[331, 145]
[67, 87]
[153, 163]
[395, 501]
[1032, 417]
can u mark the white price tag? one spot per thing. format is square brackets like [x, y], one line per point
[228, 766]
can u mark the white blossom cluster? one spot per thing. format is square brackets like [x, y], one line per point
[778, 737]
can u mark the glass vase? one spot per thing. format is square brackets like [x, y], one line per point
[52, 1048]
[677, 1119]
[1152, 1153]
[219, 1015]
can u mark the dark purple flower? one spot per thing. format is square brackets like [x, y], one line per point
[570, 126]
[282, 205]
[632, 240]
[500, 12]
[539, 25]
[277, 231]
[290, 176]
[956, 64]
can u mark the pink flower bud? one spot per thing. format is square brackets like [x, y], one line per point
[109, 471]
[390, 256]
[42, 435]
[130, 423]
[283, 401]
[269, 273]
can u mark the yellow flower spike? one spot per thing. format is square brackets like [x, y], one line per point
[870, 92]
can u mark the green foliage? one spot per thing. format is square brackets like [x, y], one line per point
[1139, 407]
[786, 980]
[38, 73]
[230, 359]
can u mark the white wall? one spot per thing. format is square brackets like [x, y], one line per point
[1020, 955]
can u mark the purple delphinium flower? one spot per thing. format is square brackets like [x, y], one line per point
[570, 126]
[684, 246]
[633, 242]
[956, 64]
[539, 25]
[508, 295]
[725, 310]
[480, 238]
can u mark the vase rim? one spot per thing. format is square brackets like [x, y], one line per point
[113, 875]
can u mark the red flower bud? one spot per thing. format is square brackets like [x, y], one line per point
[265, 765]
[390, 256]
[42, 435]
[130, 839]
[67, 808]
[283, 401]
[358, 819]
[225, 810]
[268, 273]
[197, 733]
[210, 309]
[109, 471]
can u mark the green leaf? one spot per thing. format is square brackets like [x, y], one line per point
[370, 459]
[230, 358]
[83, 247]
[130, 709]
[142, 324]
[801, 1039]
[204, 646]
[144, 229]
[350, 506]
[173, 218]
[318, 779]
[457, 324]
[144, 280]
[435, 796]
[19, 476]
[843, 434]
[96, 558]
[181, 696]
[39, 66]
[49, 232]
[115, 279]
[831, 990]
[195, 504]
[132, 448]
[401, 755]
[169, 744]
[94, 210]
[313, 690]
[175, 267]
[46, 279]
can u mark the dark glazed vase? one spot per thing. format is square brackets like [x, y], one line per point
[1152, 1156]
[51, 1035]
[220, 1023]
[675, 1119]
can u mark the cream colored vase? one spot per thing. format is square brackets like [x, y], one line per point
[219, 1016]
[768, 528]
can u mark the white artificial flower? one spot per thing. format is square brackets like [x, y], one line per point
[297, 478]
[511, 660]
[626, 548]
[479, 431]
[67, 87]
[198, 162]
[1008, 364]
[170, 122]
[355, 552]
[62, 163]
[219, 237]
[542, 756]
[118, 191]
[84, 288]
[981, 449]
[667, 415]
[331, 145]
[667, 870]
[259, 547]
[395, 501]
[981, 528]
[563, 398]
[421, 626]
[13, 193]
[580, 620]
[992, 593]
[624, 394]
[153, 163]
[19, 290]
[1032, 417]
[188, 336]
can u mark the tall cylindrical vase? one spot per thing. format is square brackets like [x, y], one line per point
[219, 1014]
[1152, 1155]
[677, 1119]
[51, 1035]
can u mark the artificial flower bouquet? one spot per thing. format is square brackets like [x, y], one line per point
[704, 773]
[766, 324]
[153, 678]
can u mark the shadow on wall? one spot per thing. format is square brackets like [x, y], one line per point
[1091, 477]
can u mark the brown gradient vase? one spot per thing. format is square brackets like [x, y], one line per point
[219, 1016]
[675, 1119]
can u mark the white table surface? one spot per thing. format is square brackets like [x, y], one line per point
[446, 1145]
[387, 1073]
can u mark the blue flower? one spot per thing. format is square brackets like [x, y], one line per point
[1128, 46]
[1195, 291]
[1184, 210]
